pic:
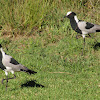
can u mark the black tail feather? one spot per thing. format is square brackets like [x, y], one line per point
[97, 30]
[28, 71]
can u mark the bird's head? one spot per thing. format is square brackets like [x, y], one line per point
[70, 14]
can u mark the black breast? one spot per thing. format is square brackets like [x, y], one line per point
[74, 26]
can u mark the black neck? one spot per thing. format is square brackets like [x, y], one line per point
[74, 25]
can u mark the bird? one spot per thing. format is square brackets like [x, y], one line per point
[82, 27]
[11, 65]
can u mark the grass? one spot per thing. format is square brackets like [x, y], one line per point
[62, 72]
[50, 48]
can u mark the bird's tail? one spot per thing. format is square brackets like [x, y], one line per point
[25, 69]
[30, 71]
[98, 30]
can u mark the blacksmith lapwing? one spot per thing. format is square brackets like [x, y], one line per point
[82, 27]
[11, 65]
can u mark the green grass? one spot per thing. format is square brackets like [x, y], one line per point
[64, 73]
[37, 36]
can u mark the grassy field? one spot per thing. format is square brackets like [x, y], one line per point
[37, 35]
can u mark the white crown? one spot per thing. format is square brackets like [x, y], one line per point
[68, 13]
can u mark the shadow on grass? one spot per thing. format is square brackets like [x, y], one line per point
[96, 46]
[31, 83]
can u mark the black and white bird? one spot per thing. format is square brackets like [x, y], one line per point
[82, 27]
[11, 65]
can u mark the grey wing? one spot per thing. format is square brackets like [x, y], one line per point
[11, 63]
[11, 60]
[88, 27]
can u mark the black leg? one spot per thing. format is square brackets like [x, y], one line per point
[89, 35]
[13, 77]
[6, 82]
[8, 78]
[83, 46]
[3, 80]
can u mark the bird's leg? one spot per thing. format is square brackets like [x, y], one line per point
[89, 35]
[2, 81]
[13, 77]
[83, 46]
[8, 78]
[6, 82]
